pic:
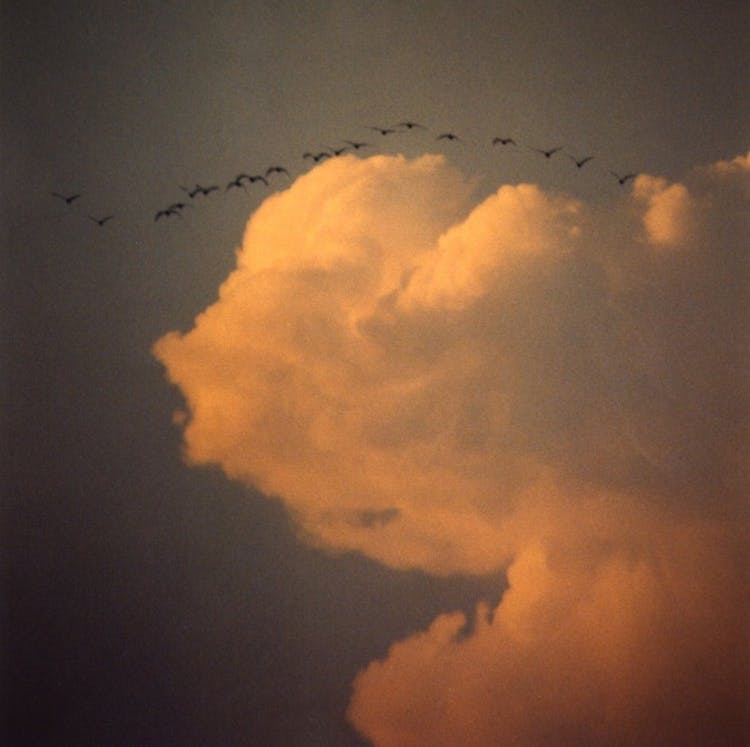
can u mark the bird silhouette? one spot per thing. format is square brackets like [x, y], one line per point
[177, 206]
[68, 200]
[235, 183]
[199, 190]
[317, 157]
[503, 141]
[383, 130]
[276, 170]
[447, 136]
[580, 163]
[622, 179]
[547, 153]
[101, 221]
[165, 213]
[337, 151]
[257, 178]
[357, 145]
[411, 125]
[203, 190]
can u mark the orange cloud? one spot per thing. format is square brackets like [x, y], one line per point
[520, 383]
[669, 212]
[629, 649]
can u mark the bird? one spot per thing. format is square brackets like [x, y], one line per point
[383, 130]
[547, 153]
[257, 178]
[447, 136]
[177, 206]
[317, 157]
[580, 163]
[199, 190]
[68, 200]
[503, 141]
[276, 170]
[203, 190]
[411, 125]
[622, 179]
[338, 151]
[165, 213]
[235, 183]
[357, 145]
[101, 221]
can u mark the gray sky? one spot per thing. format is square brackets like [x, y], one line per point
[152, 603]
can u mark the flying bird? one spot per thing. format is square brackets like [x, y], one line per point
[203, 190]
[317, 157]
[503, 141]
[383, 130]
[547, 153]
[357, 145]
[166, 213]
[580, 163]
[235, 183]
[411, 125]
[622, 179]
[199, 190]
[68, 200]
[447, 136]
[338, 151]
[276, 170]
[257, 178]
[101, 221]
[177, 206]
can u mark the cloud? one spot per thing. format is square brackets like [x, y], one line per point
[623, 648]
[669, 212]
[529, 383]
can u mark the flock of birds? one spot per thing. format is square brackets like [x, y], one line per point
[243, 180]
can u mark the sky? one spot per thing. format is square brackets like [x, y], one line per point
[431, 442]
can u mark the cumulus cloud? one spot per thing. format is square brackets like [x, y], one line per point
[669, 211]
[626, 648]
[526, 383]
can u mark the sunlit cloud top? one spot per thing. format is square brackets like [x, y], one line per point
[383, 345]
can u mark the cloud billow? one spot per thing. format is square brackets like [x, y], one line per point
[527, 383]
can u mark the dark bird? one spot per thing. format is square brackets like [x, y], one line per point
[257, 178]
[383, 130]
[547, 153]
[166, 213]
[101, 221]
[503, 141]
[199, 190]
[235, 183]
[357, 145]
[177, 206]
[203, 190]
[276, 170]
[338, 151]
[411, 125]
[580, 163]
[447, 136]
[622, 179]
[317, 157]
[68, 200]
